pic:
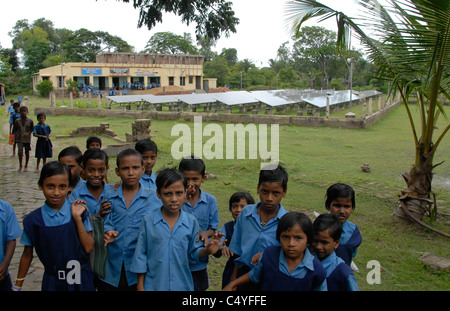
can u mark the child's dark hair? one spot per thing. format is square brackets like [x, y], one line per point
[23, 108]
[291, 219]
[72, 151]
[339, 190]
[237, 196]
[192, 163]
[145, 145]
[330, 223]
[16, 105]
[41, 114]
[54, 168]
[168, 176]
[94, 154]
[126, 153]
[272, 173]
[93, 139]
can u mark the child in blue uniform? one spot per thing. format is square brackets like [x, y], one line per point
[9, 232]
[256, 226]
[168, 240]
[15, 114]
[44, 147]
[128, 204]
[149, 151]
[95, 167]
[237, 202]
[60, 232]
[327, 232]
[203, 206]
[340, 200]
[290, 266]
[72, 157]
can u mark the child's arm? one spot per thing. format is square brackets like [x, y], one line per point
[140, 282]
[9, 252]
[235, 283]
[205, 235]
[24, 265]
[86, 239]
[213, 246]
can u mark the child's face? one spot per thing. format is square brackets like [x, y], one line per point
[324, 244]
[342, 207]
[95, 144]
[270, 194]
[130, 170]
[55, 190]
[236, 208]
[23, 113]
[75, 168]
[293, 242]
[17, 109]
[173, 197]
[194, 181]
[95, 172]
[41, 119]
[149, 158]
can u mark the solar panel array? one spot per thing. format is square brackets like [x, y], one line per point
[271, 98]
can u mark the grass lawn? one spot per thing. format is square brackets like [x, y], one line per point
[315, 158]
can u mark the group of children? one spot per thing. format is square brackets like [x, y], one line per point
[158, 229]
[21, 128]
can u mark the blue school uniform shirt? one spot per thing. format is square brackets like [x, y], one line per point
[76, 190]
[330, 264]
[149, 181]
[53, 218]
[249, 238]
[349, 243]
[9, 227]
[127, 222]
[299, 272]
[92, 203]
[207, 214]
[164, 255]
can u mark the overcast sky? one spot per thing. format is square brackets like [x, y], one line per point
[261, 31]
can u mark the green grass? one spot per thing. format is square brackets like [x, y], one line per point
[316, 157]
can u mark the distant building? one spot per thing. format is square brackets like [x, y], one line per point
[131, 71]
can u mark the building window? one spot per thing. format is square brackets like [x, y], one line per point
[170, 80]
[60, 81]
[182, 81]
[191, 79]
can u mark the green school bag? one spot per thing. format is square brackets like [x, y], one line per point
[100, 253]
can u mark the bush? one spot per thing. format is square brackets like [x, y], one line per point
[45, 87]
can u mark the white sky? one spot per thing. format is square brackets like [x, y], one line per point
[261, 31]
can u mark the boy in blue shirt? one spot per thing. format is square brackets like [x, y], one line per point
[149, 151]
[128, 204]
[72, 157]
[257, 224]
[204, 207]
[95, 167]
[168, 240]
[10, 231]
[327, 233]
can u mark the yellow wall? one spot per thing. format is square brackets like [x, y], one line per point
[164, 71]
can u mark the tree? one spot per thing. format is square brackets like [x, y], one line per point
[44, 87]
[409, 44]
[230, 55]
[212, 17]
[170, 43]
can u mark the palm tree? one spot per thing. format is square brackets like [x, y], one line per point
[408, 41]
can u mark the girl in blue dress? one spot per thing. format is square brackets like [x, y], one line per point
[61, 234]
[289, 267]
[43, 145]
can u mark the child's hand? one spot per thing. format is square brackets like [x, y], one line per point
[110, 236]
[226, 252]
[78, 207]
[255, 258]
[105, 208]
[204, 236]
[215, 244]
[229, 287]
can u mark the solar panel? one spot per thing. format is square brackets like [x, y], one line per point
[121, 99]
[196, 99]
[235, 98]
[160, 99]
[272, 98]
